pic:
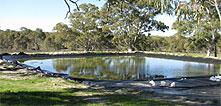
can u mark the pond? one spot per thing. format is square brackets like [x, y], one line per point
[125, 67]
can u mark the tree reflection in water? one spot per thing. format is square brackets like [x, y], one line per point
[115, 68]
[125, 67]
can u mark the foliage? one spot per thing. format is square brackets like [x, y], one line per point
[199, 18]
[85, 21]
[123, 24]
[128, 20]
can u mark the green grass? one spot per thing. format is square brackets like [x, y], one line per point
[39, 91]
[187, 54]
[131, 100]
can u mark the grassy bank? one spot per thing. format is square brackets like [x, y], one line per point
[56, 91]
[186, 54]
[17, 88]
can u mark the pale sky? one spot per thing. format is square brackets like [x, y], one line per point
[45, 14]
[168, 20]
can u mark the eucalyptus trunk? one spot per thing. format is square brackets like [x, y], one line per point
[215, 50]
[210, 48]
[218, 11]
[87, 43]
[130, 45]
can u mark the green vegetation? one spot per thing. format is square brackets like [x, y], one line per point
[119, 25]
[37, 91]
[202, 19]
[174, 44]
[191, 54]
[122, 25]
[18, 88]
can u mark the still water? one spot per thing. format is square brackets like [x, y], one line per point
[125, 67]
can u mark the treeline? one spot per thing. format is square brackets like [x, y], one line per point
[66, 38]
[120, 26]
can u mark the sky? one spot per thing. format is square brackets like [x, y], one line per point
[45, 14]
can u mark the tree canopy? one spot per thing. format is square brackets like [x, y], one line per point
[124, 25]
[199, 18]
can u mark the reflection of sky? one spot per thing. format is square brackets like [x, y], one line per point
[46, 64]
[145, 68]
[175, 68]
[163, 66]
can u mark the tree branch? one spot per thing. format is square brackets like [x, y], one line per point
[75, 2]
[69, 8]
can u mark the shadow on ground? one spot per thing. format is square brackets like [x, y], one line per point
[39, 98]
[68, 98]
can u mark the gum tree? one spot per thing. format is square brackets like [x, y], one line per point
[200, 18]
[39, 37]
[85, 21]
[130, 19]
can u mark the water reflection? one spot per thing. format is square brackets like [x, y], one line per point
[103, 67]
[124, 68]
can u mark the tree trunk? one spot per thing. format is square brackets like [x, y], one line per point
[130, 44]
[130, 48]
[215, 50]
[210, 48]
[218, 11]
[208, 52]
